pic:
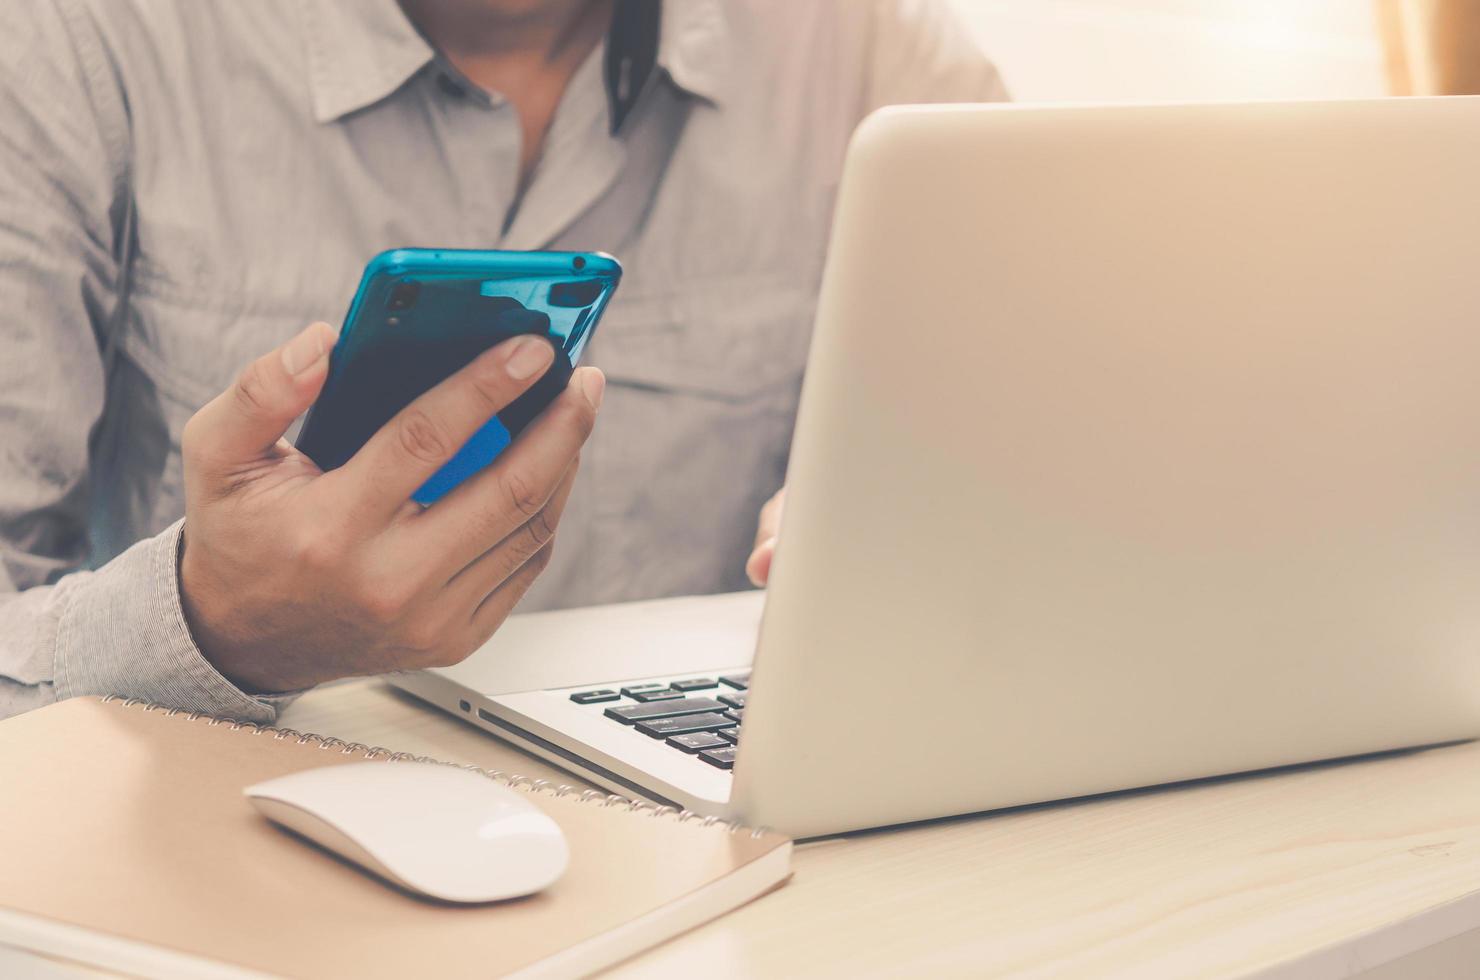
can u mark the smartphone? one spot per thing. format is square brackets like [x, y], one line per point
[421, 314]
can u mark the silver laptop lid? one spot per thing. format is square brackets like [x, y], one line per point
[1137, 444]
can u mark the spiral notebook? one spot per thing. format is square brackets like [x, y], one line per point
[129, 845]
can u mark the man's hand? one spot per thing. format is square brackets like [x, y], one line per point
[291, 576]
[758, 567]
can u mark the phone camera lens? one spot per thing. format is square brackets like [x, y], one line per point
[403, 297]
[570, 295]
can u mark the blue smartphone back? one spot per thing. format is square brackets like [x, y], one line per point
[422, 314]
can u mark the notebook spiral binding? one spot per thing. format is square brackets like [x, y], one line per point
[374, 752]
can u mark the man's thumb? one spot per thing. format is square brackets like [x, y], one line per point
[247, 419]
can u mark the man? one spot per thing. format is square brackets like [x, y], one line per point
[187, 183]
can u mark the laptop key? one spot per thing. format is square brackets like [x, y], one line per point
[629, 714]
[736, 700]
[664, 695]
[730, 735]
[631, 690]
[736, 714]
[698, 741]
[683, 725]
[595, 697]
[695, 684]
[721, 758]
[738, 681]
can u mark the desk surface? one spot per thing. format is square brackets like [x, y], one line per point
[1320, 871]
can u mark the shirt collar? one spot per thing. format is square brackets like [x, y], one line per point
[694, 48]
[361, 51]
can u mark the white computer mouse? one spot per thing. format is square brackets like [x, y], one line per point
[444, 832]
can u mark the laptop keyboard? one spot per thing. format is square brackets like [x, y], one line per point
[699, 716]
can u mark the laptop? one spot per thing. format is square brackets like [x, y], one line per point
[1138, 444]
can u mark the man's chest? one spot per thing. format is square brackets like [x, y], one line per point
[242, 241]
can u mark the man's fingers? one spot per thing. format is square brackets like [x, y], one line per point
[758, 567]
[488, 571]
[245, 421]
[427, 433]
[490, 615]
[503, 498]
[769, 522]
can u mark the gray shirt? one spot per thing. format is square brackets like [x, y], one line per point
[270, 147]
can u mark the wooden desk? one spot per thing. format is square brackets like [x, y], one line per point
[1368, 868]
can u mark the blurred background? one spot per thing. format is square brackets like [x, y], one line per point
[1148, 50]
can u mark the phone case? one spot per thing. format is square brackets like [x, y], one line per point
[422, 314]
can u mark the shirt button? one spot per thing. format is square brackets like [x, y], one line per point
[451, 87]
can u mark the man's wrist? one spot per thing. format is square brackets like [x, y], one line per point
[123, 632]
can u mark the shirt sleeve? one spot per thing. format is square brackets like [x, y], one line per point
[921, 52]
[66, 632]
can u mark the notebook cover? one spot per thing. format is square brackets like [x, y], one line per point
[130, 821]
